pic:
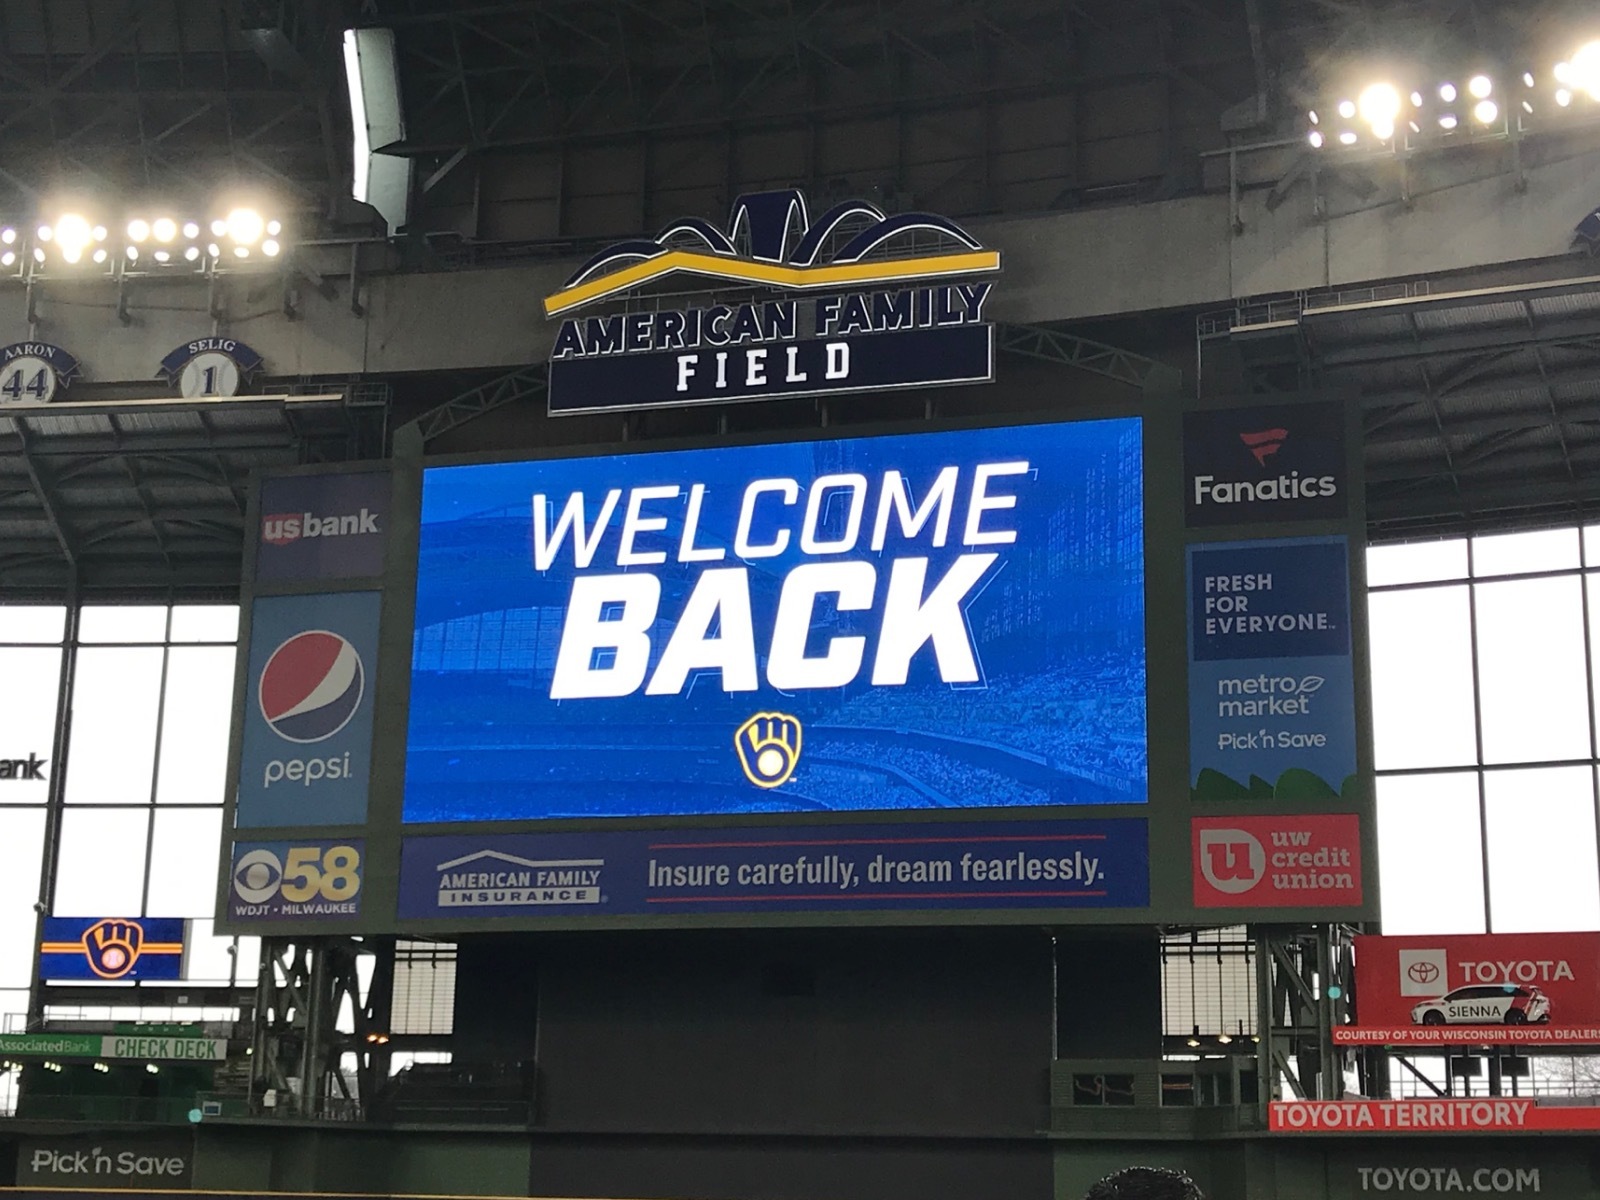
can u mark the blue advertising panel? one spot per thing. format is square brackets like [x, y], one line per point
[880, 623]
[814, 868]
[1271, 682]
[296, 881]
[322, 526]
[127, 948]
[307, 748]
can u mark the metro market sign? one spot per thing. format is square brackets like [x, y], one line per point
[855, 301]
[122, 1045]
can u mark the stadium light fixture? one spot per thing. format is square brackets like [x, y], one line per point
[1479, 87]
[1582, 70]
[372, 77]
[1485, 112]
[245, 226]
[1379, 107]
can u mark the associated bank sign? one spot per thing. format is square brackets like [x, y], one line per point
[854, 301]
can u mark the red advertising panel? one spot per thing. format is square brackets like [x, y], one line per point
[1277, 861]
[1476, 989]
[1448, 1115]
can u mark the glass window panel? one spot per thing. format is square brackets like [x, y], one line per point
[32, 622]
[1591, 545]
[1518, 553]
[32, 676]
[22, 834]
[122, 623]
[1543, 869]
[1533, 694]
[194, 725]
[101, 870]
[1422, 678]
[205, 623]
[211, 958]
[1430, 854]
[183, 862]
[1416, 562]
[115, 702]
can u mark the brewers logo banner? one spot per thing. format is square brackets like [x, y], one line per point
[307, 746]
[931, 621]
[119, 948]
[807, 326]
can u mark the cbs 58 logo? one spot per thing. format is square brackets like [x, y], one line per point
[297, 874]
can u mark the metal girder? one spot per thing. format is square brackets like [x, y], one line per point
[1053, 345]
[519, 384]
[1297, 1008]
[297, 1047]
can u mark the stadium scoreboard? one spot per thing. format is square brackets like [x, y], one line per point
[1090, 670]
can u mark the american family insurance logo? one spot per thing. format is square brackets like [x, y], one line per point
[1277, 862]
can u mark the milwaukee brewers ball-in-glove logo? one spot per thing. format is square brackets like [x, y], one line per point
[768, 745]
[112, 947]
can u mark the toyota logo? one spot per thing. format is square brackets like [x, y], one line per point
[1422, 972]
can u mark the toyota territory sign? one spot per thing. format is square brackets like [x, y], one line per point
[1479, 989]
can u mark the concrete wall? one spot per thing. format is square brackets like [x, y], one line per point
[279, 1158]
[1068, 266]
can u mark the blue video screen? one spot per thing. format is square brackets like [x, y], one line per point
[890, 623]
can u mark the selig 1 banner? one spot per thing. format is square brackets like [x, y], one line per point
[1476, 989]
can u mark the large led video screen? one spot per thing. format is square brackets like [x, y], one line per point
[913, 622]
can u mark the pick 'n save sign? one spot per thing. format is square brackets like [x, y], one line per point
[1476, 989]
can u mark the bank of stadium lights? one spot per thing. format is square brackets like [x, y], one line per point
[70, 242]
[1385, 114]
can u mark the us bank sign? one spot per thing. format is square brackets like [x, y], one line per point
[782, 306]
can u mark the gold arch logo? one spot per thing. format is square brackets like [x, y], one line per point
[768, 746]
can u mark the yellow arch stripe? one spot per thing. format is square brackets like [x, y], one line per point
[973, 262]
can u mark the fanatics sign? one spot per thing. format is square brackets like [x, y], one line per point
[1283, 462]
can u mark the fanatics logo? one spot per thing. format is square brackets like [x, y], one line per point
[1265, 444]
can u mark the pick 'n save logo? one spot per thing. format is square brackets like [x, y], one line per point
[1282, 462]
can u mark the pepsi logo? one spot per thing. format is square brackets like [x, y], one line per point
[311, 686]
